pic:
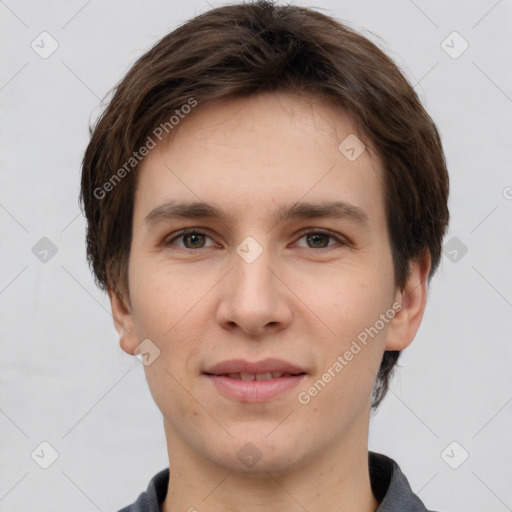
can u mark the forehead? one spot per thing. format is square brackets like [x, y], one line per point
[254, 155]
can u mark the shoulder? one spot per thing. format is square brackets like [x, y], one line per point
[151, 499]
[390, 486]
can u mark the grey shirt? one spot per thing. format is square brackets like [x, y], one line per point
[389, 485]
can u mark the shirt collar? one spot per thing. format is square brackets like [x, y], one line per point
[389, 486]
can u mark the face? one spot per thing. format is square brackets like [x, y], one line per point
[311, 286]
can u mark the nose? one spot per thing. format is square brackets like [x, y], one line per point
[255, 298]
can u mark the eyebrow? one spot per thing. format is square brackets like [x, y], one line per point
[303, 210]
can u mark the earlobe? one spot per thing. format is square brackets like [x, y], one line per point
[413, 299]
[123, 322]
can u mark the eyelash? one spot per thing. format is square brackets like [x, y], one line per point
[310, 231]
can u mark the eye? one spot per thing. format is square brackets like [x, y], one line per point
[316, 239]
[320, 239]
[192, 239]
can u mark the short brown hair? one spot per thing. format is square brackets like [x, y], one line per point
[237, 51]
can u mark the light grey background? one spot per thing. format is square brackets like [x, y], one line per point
[63, 377]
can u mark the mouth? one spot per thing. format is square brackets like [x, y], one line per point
[266, 369]
[255, 376]
[262, 381]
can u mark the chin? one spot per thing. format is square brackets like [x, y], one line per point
[257, 457]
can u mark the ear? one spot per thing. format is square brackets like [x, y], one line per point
[123, 322]
[413, 298]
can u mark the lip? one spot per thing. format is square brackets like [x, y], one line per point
[254, 390]
[264, 366]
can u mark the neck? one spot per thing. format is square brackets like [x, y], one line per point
[337, 479]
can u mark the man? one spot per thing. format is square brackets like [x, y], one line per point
[266, 201]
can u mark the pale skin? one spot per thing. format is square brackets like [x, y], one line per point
[304, 299]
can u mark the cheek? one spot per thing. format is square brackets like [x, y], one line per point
[162, 298]
[169, 310]
[165, 312]
[353, 348]
[346, 300]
